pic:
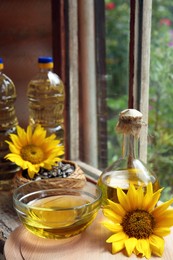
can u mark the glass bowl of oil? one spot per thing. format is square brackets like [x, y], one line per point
[58, 212]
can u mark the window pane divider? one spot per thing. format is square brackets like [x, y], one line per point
[140, 65]
[73, 82]
[87, 82]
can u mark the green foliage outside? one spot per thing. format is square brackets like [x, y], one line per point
[160, 148]
[117, 44]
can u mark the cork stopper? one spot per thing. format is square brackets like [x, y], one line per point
[130, 122]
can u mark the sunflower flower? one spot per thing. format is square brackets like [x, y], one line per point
[32, 150]
[138, 224]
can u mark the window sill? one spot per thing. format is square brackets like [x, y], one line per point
[91, 173]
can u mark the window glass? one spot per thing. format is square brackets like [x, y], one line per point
[117, 67]
[160, 150]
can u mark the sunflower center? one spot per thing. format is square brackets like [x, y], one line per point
[138, 224]
[32, 153]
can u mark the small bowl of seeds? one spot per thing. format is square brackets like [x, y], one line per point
[65, 169]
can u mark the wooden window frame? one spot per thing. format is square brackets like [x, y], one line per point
[139, 60]
[75, 51]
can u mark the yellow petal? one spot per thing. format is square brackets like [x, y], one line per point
[116, 237]
[150, 200]
[162, 231]
[51, 138]
[167, 222]
[150, 188]
[123, 200]
[15, 140]
[28, 165]
[143, 248]
[139, 198]
[117, 208]
[166, 219]
[130, 244]
[112, 227]
[117, 246]
[112, 215]
[32, 170]
[158, 211]
[156, 245]
[15, 158]
[13, 148]
[51, 147]
[22, 135]
[39, 135]
[31, 173]
[29, 134]
[132, 194]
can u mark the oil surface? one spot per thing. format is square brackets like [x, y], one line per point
[45, 220]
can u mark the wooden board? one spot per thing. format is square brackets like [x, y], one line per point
[91, 244]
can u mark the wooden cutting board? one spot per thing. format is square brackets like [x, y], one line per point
[91, 245]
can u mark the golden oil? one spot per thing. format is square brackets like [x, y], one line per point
[110, 181]
[46, 97]
[128, 169]
[58, 216]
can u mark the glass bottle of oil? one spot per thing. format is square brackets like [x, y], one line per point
[128, 169]
[8, 124]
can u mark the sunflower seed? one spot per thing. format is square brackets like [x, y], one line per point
[62, 170]
[65, 167]
[70, 170]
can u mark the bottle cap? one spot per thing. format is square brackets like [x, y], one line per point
[130, 122]
[1, 64]
[45, 62]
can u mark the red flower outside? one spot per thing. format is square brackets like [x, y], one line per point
[165, 21]
[110, 6]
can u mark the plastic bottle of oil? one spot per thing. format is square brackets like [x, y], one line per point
[8, 123]
[46, 97]
[129, 168]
